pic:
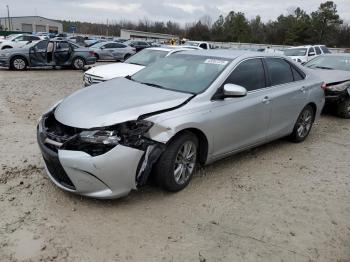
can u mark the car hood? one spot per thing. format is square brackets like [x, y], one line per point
[113, 102]
[114, 70]
[332, 76]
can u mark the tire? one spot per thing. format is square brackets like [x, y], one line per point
[173, 172]
[78, 63]
[303, 125]
[343, 109]
[126, 56]
[18, 63]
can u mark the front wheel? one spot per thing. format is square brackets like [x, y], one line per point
[78, 63]
[18, 63]
[176, 165]
[303, 125]
[343, 109]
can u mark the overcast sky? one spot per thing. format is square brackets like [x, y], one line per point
[181, 11]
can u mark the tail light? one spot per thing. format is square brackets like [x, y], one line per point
[323, 86]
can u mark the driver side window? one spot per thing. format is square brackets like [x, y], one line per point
[250, 74]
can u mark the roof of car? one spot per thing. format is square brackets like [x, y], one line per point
[226, 53]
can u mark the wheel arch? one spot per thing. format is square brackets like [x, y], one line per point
[202, 140]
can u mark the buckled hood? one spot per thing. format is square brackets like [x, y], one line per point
[115, 101]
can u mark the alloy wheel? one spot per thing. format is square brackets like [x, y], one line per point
[304, 123]
[185, 162]
[19, 64]
[78, 63]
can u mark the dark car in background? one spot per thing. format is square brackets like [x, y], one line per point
[47, 53]
[334, 69]
[138, 45]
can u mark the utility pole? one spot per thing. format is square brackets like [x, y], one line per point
[8, 17]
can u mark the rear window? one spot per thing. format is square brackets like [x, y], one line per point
[325, 50]
[279, 70]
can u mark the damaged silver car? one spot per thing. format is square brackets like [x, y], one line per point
[191, 108]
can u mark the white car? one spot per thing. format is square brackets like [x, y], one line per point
[303, 54]
[132, 65]
[202, 45]
[17, 41]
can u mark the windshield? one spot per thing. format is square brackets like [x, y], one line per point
[295, 52]
[13, 36]
[330, 62]
[189, 43]
[184, 73]
[146, 57]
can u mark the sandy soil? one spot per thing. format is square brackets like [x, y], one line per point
[279, 202]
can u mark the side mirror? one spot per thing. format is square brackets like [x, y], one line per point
[102, 47]
[232, 90]
[311, 53]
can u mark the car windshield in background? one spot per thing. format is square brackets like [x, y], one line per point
[98, 45]
[189, 43]
[330, 62]
[325, 50]
[295, 52]
[146, 57]
[183, 73]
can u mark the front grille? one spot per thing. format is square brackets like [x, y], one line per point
[92, 79]
[56, 170]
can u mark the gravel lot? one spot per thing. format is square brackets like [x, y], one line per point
[279, 202]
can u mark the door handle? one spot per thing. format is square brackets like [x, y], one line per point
[266, 100]
[302, 89]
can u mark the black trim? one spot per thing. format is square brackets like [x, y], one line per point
[144, 116]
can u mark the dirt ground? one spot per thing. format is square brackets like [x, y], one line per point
[279, 202]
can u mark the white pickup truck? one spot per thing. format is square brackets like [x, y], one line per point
[203, 45]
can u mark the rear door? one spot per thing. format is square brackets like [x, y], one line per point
[242, 122]
[288, 95]
[62, 52]
[109, 49]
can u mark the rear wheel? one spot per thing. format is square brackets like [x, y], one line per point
[303, 125]
[78, 63]
[18, 63]
[343, 109]
[176, 165]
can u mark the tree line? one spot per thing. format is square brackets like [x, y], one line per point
[322, 26]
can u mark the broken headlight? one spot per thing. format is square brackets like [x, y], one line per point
[100, 137]
[339, 87]
[99, 141]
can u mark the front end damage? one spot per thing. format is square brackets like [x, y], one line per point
[104, 162]
[337, 92]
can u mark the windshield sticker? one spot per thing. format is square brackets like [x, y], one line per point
[215, 62]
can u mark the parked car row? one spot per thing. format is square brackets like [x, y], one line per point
[167, 116]
[303, 54]
[47, 53]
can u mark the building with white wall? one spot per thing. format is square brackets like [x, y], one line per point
[132, 34]
[31, 24]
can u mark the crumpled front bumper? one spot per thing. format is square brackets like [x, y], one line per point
[106, 176]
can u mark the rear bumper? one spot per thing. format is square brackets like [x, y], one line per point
[107, 176]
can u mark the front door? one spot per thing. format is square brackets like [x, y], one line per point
[242, 122]
[38, 54]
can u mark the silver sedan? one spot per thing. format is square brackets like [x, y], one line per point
[112, 51]
[191, 108]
